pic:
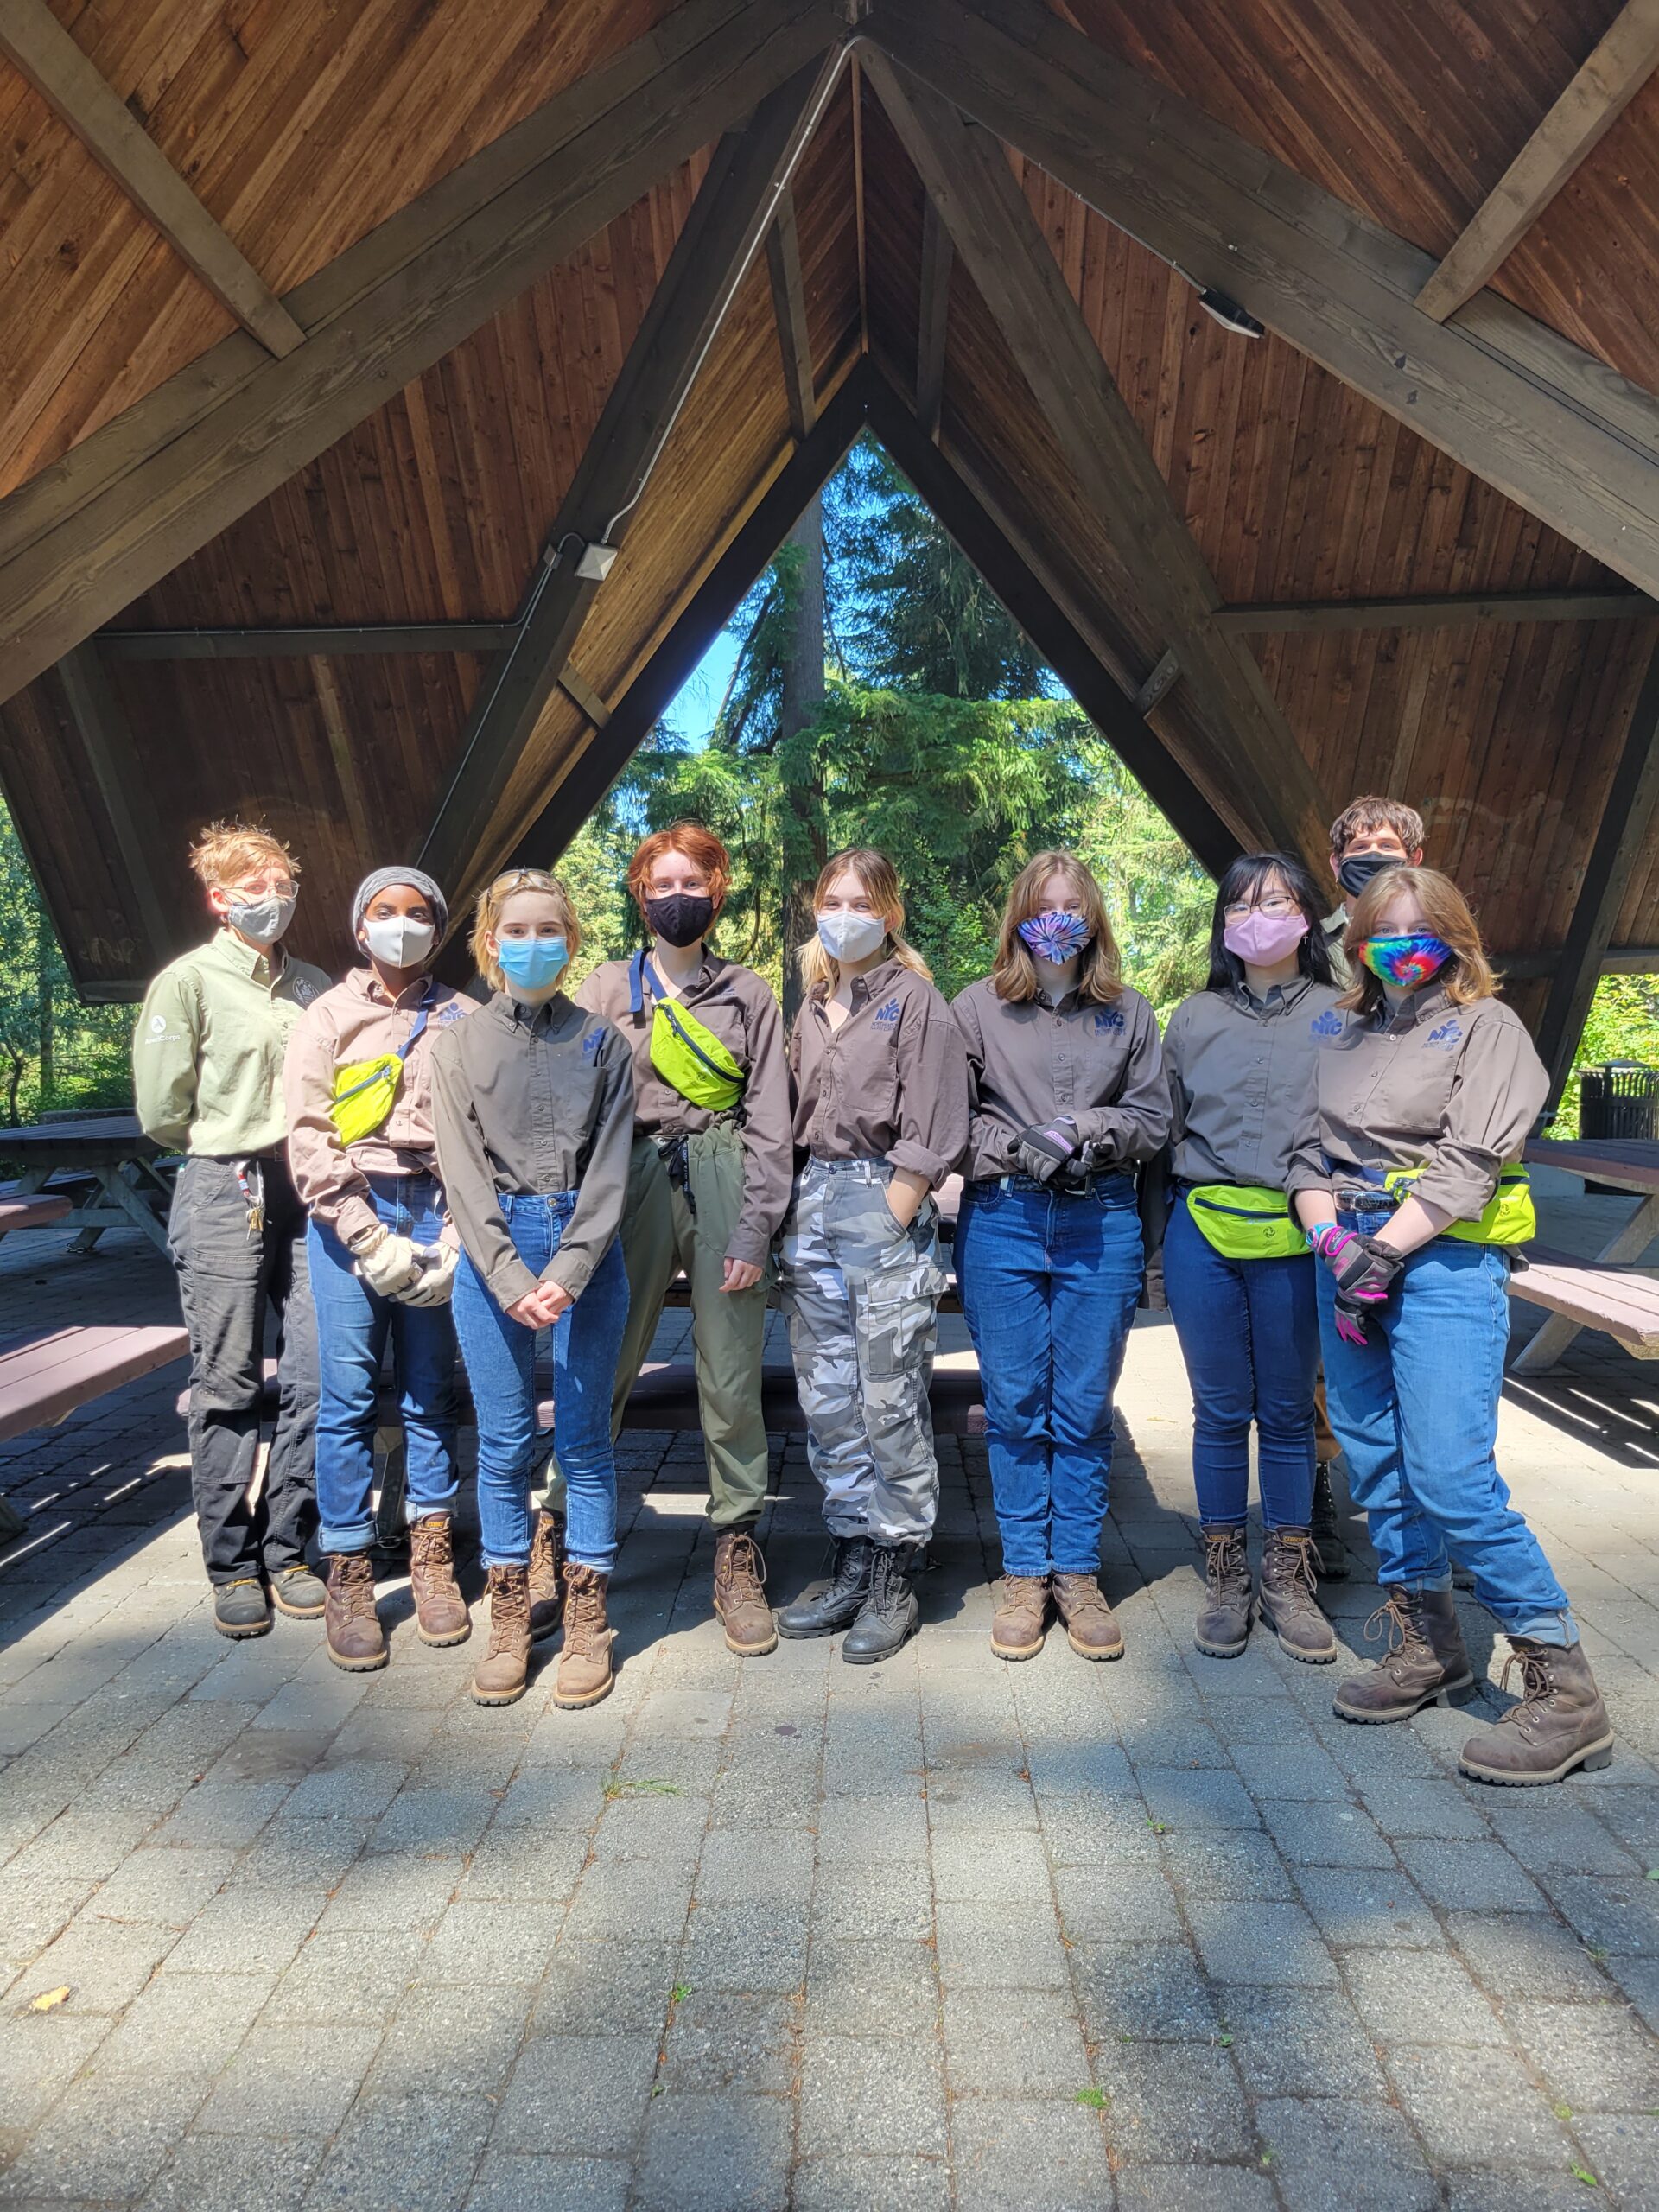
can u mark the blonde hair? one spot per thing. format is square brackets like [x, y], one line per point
[228, 851]
[878, 880]
[1014, 976]
[1467, 976]
[487, 918]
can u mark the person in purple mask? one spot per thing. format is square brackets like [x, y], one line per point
[1241, 1056]
[1424, 1105]
[1067, 1096]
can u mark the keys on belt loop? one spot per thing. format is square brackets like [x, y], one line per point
[251, 1181]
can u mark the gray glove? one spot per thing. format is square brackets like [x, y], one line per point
[437, 1279]
[386, 1263]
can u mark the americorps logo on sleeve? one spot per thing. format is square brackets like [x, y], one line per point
[1328, 1024]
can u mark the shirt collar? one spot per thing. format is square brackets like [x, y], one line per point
[256, 963]
[1429, 999]
[366, 985]
[534, 1021]
[1335, 922]
[865, 988]
[1279, 999]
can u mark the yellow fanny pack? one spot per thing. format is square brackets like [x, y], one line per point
[685, 1052]
[1508, 1217]
[366, 1091]
[1243, 1222]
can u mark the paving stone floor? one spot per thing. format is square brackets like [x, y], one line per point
[943, 1933]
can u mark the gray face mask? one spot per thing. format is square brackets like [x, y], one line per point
[400, 941]
[264, 920]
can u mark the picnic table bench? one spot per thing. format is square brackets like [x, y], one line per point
[44, 1209]
[113, 1174]
[1604, 1293]
[44, 1378]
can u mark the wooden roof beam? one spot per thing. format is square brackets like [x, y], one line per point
[1554, 429]
[939, 257]
[1002, 247]
[90, 534]
[33, 39]
[107, 741]
[322, 640]
[721, 236]
[789, 309]
[1438, 611]
[1619, 65]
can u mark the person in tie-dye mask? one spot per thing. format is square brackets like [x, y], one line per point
[1416, 1206]
[1068, 1095]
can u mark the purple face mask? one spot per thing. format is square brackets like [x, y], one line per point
[1055, 936]
[1263, 940]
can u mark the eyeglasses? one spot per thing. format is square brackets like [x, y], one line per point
[1277, 906]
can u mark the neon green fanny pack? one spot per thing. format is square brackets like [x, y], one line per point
[1243, 1223]
[1508, 1217]
[686, 1052]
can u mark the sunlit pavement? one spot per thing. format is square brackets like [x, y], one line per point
[782, 1933]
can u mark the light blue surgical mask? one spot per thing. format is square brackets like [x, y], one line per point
[531, 965]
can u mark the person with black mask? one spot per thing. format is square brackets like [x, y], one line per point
[1371, 833]
[708, 1183]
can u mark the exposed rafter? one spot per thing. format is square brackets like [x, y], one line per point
[111, 754]
[938, 257]
[322, 640]
[1600, 91]
[87, 536]
[789, 310]
[32, 38]
[1002, 248]
[1440, 611]
[1514, 402]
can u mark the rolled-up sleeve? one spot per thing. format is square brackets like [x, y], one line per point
[602, 1185]
[333, 1188]
[166, 1048]
[1136, 1123]
[932, 1070]
[768, 1136]
[1499, 1094]
[468, 1179]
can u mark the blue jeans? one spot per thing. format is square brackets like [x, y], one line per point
[500, 1356]
[1250, 1334]
[1049, 1285]
[354, 1322]
[1416, 1410]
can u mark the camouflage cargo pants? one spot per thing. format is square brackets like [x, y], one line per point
[861, 1295]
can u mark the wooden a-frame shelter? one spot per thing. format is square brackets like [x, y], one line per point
[335, 340]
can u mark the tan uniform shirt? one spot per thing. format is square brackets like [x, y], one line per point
[740, 1008]
[357, 1022]
[1243, 1083]
[1454, 1090]
[891, 1083]
[533, 1100]
[208, 1051]
[1028, 1060]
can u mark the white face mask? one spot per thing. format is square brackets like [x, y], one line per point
[399, 941]
[264, 920]
[851, 936]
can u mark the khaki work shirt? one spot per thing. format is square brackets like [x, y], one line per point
[1243, 1083]
[357, 1021]
[207, 1052]
[1454, 1090]
[530, 1099]
[739, 1007]
[1028, 1060]
[891, 1083]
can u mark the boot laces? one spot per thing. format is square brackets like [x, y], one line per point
[889, 1585]
[1301, 1585]
[432, 1545]
[584, 1615]
[354, 1585]
[1537, 1687]
[745, 1570]
[1082, 1593]
[509, 1609]
[1226, 1564]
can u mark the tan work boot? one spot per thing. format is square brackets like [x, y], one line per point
[1289, 1599]
[355, 1640]
[584, 1674]
[1223, 1628]
[500, 1674]
[740, 1605]
[546, 1576]
[1559, 1723]
[1090, 1629]
[440, 1614]
[1426, 1660]
[1020, 1623]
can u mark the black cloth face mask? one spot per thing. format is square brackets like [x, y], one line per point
[1354, 874]
[681, 918]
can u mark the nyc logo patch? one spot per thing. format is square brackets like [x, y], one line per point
[1108, 1017]
[591, 1044]
[1328, 1024]
[1447, 1035]
[451, 1010]
[888, 1015]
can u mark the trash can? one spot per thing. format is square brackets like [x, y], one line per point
[1618, 1101]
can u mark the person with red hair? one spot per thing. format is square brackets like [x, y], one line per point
[708, 1184]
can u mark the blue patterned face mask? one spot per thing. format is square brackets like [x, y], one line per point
[1056, 937]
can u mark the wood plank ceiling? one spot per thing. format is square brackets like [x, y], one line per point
[300, 126]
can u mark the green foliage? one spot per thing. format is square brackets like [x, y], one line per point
[54, 1052]
[1623, 1025]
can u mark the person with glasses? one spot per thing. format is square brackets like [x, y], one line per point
[1241, 1056]
[208, 1081]
[1419, 1198]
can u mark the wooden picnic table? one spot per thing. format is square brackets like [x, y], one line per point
[122, 1184]
[1629, 1164]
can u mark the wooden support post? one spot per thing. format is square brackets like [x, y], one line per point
[938, 257]
[789, 309]
[111, 754]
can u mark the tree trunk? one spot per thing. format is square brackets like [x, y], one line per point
[803, 701]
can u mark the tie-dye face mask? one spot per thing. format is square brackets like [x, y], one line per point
[1406, 960]
[1055, 936]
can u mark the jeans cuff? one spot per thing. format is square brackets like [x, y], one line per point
[346, 1540]
[417, 1509]
[1558, 1628]
[501, 1559]
[1419, 1583]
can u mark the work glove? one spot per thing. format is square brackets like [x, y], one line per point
[1364, 1272]
[1044, 1149]
[386, 1263]
[436, 1280]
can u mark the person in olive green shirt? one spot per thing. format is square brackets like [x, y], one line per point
[208, 1078]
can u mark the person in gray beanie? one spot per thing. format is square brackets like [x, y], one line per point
[358, 1086]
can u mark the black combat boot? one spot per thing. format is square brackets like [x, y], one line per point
[890, 1615]
[825, 1608]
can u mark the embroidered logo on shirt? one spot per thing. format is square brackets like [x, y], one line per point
[1447, 1034]
[450, 1011]
[1328, 1024]
[305, 992]
[591, 1042]
[889, 1012]
[1108, 1017]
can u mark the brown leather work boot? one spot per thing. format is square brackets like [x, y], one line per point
[740, 1605]
[440, 1614]
[1223, 1628]
[1426, 1660]
[1290, 1597]
[1020, 1622]
[1090, 1629]
[1559, 1723]
[584, 1674]
[355, 1640]
[546, 1576]
[500, 1676]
